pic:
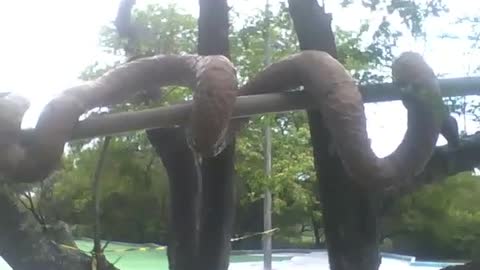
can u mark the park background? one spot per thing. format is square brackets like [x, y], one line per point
[70, 41]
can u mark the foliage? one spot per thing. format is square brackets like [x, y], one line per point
[133, 180]
[469, 106]
[412, 13]
[440, 220]
[161, 30]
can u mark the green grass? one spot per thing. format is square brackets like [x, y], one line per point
[131, 256]
[149, 257]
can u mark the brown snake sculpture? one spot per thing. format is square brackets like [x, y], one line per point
[212, 79]
[214, 85]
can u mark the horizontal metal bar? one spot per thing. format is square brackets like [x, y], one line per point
[247, 106]
[464, 86]
[178, 114]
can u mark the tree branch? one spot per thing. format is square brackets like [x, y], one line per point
[125, 27]
[23, 247]
[36, 213]
[97, 248]
[447, 161]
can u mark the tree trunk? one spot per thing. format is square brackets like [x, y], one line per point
[170, 144]
[316, 232]
[60, 232]
[217, 213]
[351, 226]
[26, 248]
[218, 200]
[199, 237]
[202, 198]
[213, 28]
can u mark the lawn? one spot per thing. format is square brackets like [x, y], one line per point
[149, 257]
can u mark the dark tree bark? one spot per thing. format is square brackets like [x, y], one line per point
[218, 200]
[351, 226]
[447, 161]
[213, 27]
[218, 207]
[200, 237]
[201, 217]
[316, 232]
[25, 248]
[169, 143]
[171, 146]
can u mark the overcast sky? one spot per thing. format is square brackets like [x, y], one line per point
[46, 44]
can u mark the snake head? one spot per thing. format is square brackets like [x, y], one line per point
[414, 77]
[206, 149]
[419, 86]
[411, 67]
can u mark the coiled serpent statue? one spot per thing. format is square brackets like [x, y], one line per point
[214, 85]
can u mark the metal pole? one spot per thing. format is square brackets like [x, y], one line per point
[267, 200]
[246, 106]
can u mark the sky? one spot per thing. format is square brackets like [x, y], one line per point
[47, 44]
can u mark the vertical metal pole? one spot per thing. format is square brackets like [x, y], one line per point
[267, 202]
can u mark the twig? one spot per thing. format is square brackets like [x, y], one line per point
[254, 234]
[31, 207]
[97, 249]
